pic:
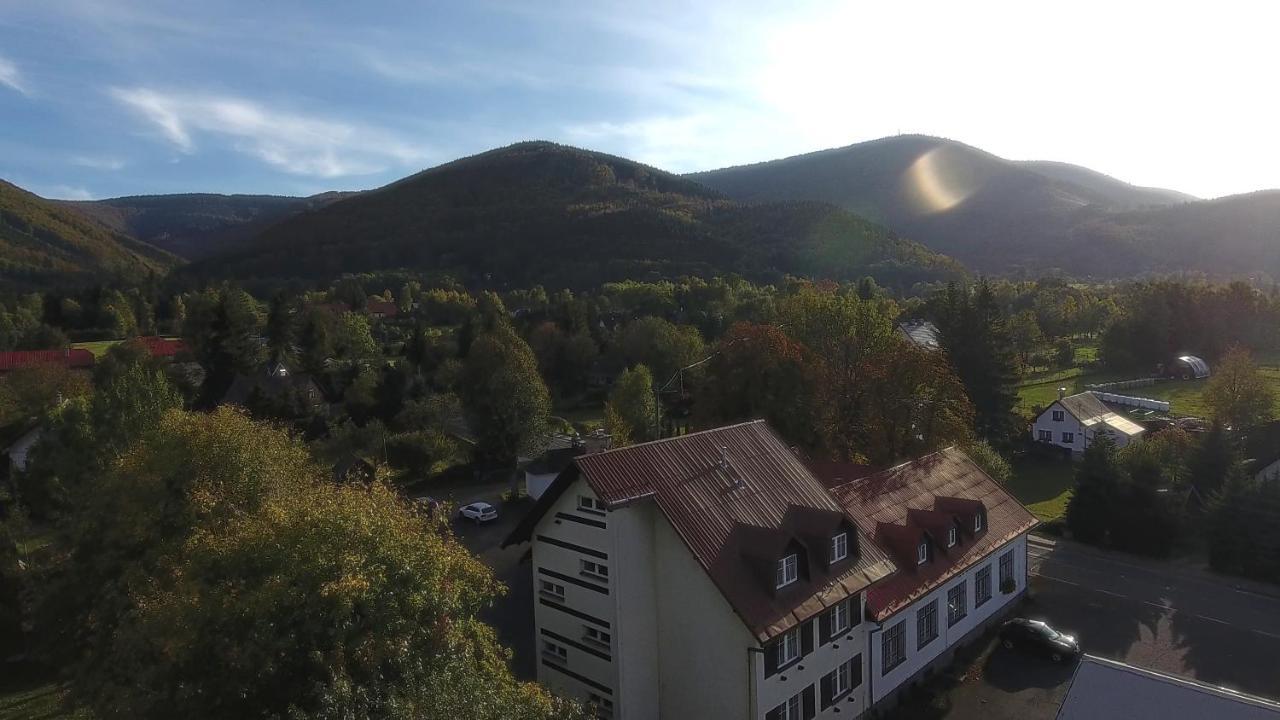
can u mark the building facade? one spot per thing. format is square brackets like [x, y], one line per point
[713, 575]
[1072, 422]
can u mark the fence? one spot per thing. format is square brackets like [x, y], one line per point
[1123, 384]
[1130, 401]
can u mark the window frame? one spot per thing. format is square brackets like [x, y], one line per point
[603, 704]
[1059, 415]
[781, 645]
[838, 690]
[551, 589]
[840, 609]
[555, 651]
[1006, 561]
[977, 522]
[1068, 437]
[894, 638]
[982, 586]
[1045, 436]
[588, 504]
[927, 619]
[593, 569]
[839, 547]
[957, 610]
[596, 635]
[781, 577]
[792, 708]
[952, 537]
[922, 552]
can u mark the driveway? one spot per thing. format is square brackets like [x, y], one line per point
[1153, 614]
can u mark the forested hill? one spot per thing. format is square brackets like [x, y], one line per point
[1019, 218]
[44, 244]
[537, 212]
[198, 225]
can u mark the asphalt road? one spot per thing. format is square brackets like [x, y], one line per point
[1161, 615]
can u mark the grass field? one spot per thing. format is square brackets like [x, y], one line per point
[26, 695]
[1043, 485]
[97, 347]
[1185, 397]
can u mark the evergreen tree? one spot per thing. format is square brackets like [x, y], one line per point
[1098, 478]
[977, 341]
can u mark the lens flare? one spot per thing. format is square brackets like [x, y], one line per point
[939, 180]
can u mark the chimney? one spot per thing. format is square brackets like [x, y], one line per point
[1062, 392]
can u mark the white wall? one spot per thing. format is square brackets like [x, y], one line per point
[635, 638]
[601, 606]
[809, 670]
[536, 484]
[883, 685]
[705, 668]
[1069, 423]
[1270, 472]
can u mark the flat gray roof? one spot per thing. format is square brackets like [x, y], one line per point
[1104, 689]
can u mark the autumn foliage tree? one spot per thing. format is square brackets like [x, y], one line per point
[218, 573]
[1237, 393]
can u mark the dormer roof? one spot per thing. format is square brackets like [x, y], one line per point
[737, 496]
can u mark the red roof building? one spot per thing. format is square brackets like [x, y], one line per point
[381, 309]
[959, 541]
[159, 347]
[74, 358]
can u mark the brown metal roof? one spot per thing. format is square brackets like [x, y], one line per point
[902, 505]
[737, 496]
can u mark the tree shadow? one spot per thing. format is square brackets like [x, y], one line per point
[1227, 655]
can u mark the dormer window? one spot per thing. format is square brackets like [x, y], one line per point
[977, 522]
[922, 553]
[839, 547]
[951, 537]
[788, 570]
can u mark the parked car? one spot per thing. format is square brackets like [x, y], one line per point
[1038, 636]
[478, 512]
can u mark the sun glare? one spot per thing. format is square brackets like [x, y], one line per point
[938, 181]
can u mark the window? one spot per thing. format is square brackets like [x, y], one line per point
[552, 651]
[590, 504]
[839, 547]
[1069, 438]
[595, 635]
[977, 522]
[788, 647]
[1046, 435]
[789, 710]
[1059, 416]
[839, 682]
[602, 705]
[1006, 570]
[951, 537]
[550, 589]
[839, 618]
[982, 586]
[595, 569]
[926, 624]
[922, 553]
[788, 570]
[893, 647]
[957, 604]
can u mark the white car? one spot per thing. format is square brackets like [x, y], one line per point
[478, 512]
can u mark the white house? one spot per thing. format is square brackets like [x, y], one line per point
[959, 541]
[709, 575]
[1073, 421]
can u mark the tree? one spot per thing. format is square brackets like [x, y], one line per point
[315, 340]
[1237, 394]
[280, 326]
[774, 366]
[633, 405]
[659, 345]
[217, 543]
[507, 404]
[977, 342]
[1212, 460]
[32, 391]
[353, 338]
[1098, 477]
[991, 461]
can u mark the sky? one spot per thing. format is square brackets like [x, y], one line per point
[101, 98]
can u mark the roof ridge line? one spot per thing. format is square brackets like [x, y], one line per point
[678, 437]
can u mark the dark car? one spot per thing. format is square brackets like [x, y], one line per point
[1038, 636]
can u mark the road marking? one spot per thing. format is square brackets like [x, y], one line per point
[1108, 592]
[1264, 632]
[1162, 574]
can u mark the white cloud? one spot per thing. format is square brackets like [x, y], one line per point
[68, 192]
[11, 77]
[294, 143]
[99, 163]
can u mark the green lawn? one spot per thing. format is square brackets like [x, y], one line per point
[97, 347]
[1043, 485]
